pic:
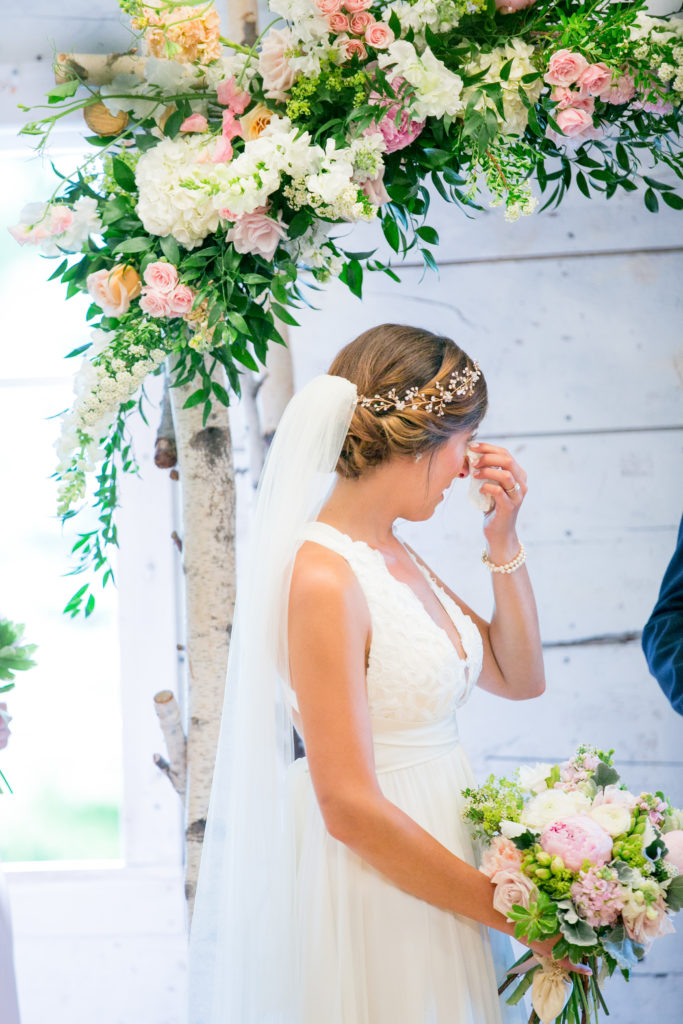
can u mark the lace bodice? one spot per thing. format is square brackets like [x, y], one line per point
[415, 675]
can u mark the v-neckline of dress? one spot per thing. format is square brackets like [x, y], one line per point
[402, 583]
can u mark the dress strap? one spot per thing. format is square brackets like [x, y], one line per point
[323, 533]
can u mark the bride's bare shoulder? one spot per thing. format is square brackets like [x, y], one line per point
[323, 580]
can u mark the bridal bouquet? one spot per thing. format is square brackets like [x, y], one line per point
[219, 173]
[572, 852]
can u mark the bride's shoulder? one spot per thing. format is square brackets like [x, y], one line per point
[323, 579]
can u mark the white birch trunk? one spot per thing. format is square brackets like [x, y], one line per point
[206, 472]
[168, 713]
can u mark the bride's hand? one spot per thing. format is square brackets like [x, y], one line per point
[506, 483]
[545, 948]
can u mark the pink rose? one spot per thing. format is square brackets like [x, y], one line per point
[180, 302]
[161, 277]
[576, 839]
[222, 151]
[645, 921]
[349, 47]
[231, 127]
[501, 855]
[329, 7]
[276, 72]
[674, 844]
[621, 92]
[113, 289]
[258, 233]
[512, 888]
[594, 79]
[375, 191]
[228, 95]
[614, 795]
[564, 67]
[566, 98]
[155, 303]
[339, 22]
[574, 122]
[194, 123]
[361, 21]
[379, 35]
[661, 106]
[396, 136]
[510, 6]
[354, 6]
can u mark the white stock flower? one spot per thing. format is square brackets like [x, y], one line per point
[545, 808]
[533, 779]
[437, 90]
[365, 154]
[614, 818]
[511, 829]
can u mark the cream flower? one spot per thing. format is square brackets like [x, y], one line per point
[545, 808]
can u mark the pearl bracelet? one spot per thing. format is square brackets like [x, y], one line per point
[518, 560]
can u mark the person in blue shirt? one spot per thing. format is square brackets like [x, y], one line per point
[663, 633]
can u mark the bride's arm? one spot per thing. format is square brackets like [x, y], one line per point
[329, 624]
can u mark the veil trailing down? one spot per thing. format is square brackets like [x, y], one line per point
[242, 966]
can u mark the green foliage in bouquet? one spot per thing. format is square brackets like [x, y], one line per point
[14, 656]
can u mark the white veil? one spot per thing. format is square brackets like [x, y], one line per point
[242, 963]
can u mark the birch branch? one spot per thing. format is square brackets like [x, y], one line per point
[98, 68]
[165, 452]
[242, 21]
[168, 713]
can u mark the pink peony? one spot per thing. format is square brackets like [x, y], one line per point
[621, 92]
[379, 35]
[674, 844]
[565, 67]
[375, 191]
[155, 303]
[501, 855]
[161, 277]
[339, 23]
[576, 839]
[222, 151]
[597, 899]
[510, 6]
[360, 22]
[574, 122]
[194, 123]
[276, 72]
[645, 921]
[258, 233]
[329, 7]
[180, 301]
[354, 6]
[231, 127]
[512, 887]
[228, 95]
[396, 135]
[594, 79]
[566, 98]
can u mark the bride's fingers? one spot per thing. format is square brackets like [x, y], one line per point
[495, 456]
[503, 480]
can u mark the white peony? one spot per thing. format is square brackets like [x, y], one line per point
[614, 818]
[545, 808]
[533, 779]
[511, 829]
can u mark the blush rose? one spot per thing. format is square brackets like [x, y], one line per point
[565, 67]
[113, 290]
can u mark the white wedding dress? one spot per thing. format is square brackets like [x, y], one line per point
[368, 952]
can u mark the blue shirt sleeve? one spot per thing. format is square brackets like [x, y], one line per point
[663, 633]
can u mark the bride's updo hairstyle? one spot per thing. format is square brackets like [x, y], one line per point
[400, 357]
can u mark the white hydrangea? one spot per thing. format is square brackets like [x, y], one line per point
[366, 155]
[438, 15]
[438, 90]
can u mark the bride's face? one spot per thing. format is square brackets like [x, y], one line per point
[433, 474]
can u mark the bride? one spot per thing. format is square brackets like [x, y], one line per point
[342, 887]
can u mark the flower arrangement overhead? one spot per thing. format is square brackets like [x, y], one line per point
[573, 853]
[220, 171]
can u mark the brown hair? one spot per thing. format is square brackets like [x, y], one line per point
[396, 356]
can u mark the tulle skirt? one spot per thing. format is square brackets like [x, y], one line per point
[370, 953]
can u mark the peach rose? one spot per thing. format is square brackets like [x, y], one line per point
[512, 887]
[162, 277]
[574, 122]
[180, 301]
[329, 7]
[276, 72]
[564, 67]
[339, 22]
[594, 79]
[258, 233]
[114, 289]
[349, 47]
[379, 35]
[354, 6]
[501, 855]
[361, 21]
[255, 121]
[155, 303]
[194, 123]
[645, 921]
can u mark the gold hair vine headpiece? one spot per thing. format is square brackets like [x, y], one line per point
[458, 384]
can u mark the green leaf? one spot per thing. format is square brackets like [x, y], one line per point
[506, 69]
[124, 176]
[354, 278]
[651, 201]
[59, 271]
[299, 224]
[145, 142]
[220, 392]
[621, 948]
[582, 184]
[239, 323]
[622, 157]
[240, 353]
[89, 605]
[428, 235]
[63, 91]
[579, 933]
[391, 233]
[139, 244]
[115, 209]
[604, 775]
[79, 350]
[170, 249]
[673, 200]
[173, 123]
[196, 398]
[674, 893]
[282, 314]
